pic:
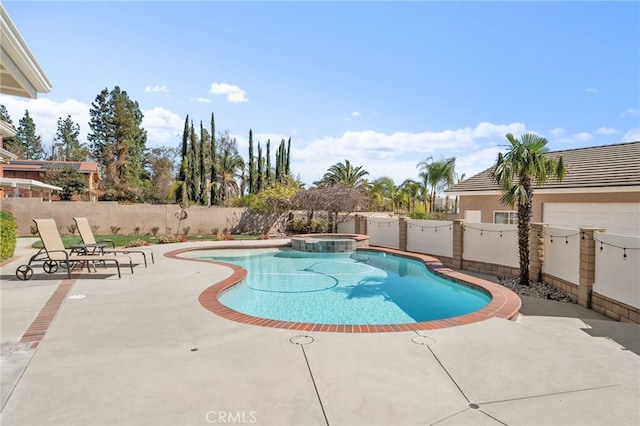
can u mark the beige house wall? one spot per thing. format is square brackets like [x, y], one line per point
[487, 204]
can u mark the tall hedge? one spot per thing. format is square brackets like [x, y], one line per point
[8, 234]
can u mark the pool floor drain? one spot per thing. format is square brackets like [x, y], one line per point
[301, 340]
[474, 406]
[423, 340]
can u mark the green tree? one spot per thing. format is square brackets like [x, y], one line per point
[26, 135]
[204, 141]
[10, 144]
[382, 194]
[252, 173]
[516, 172]
[117, 142]
[345, 174]
[215, 194]
[194, 169]
[161, 163]
[66, 145]
[69, 178]
[182, 194]
[438, 174]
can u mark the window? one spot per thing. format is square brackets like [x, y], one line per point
[505, 217]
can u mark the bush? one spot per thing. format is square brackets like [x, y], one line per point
[8, 235]
[168, 239]
[115, 229]
[137, 243]
[154, 230]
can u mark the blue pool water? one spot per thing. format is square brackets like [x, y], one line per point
[343, 288]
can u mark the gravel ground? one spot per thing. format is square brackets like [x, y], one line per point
[534, 289]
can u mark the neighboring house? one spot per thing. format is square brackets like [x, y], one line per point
[601, 189]
[36, 170]
[20, 75]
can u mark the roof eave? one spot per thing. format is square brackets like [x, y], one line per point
[19, 61]
[582, 190]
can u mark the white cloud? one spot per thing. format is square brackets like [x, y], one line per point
[583, 136]
[161, 89]
[631, 111]
[45, 114]
[605, 131]
[397, 155]
[201, 100]
[632, 135]
[356, 114]
[234, 93]
[490, 130]
[592, 90]
[163, 127]
[557, 132]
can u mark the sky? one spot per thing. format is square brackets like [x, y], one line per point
[384, 85]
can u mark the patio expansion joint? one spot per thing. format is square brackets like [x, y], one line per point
[302, 344]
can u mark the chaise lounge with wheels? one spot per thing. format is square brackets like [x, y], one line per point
[82, 223]
[54, 254]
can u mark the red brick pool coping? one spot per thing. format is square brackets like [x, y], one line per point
[504, 302]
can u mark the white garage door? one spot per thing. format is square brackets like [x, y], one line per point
[616, 218]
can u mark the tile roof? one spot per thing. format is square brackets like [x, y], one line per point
[604, 166]
[81, 166]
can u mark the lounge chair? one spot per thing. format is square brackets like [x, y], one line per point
[54, 253]
[82, 223]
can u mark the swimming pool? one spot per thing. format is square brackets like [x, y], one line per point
[363, 287]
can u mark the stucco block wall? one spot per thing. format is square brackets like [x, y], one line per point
[128, 216]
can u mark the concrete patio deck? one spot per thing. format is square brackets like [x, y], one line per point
[142, 351]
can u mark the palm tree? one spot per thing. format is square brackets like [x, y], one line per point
[515, 173]
[229, 165]
[382, 193]
[345, 174]
[439, 174]
[413, 191]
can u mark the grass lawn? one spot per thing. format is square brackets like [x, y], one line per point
[122, 240]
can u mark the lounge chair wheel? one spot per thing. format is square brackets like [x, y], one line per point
[50, 266]
[24, 272]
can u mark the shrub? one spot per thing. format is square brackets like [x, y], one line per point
[137, 243]
[8, 234]
[34, 230]
[185, 231]
[72, 229]
[136, 230]
[226, 235]
[115, 229]
[168, 239]
[154, 230]
[94, 228]
[263, 236]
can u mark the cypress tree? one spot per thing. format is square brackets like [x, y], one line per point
[194, 176]
[203, 172]
[268, 167]
[215, 196]
[251, 164]
[259, 179]
[287, 170]
[182, 194]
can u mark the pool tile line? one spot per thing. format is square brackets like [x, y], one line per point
[504, 303]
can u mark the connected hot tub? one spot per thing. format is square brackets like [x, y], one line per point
[329, 243]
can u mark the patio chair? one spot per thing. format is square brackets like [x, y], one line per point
[82, 223]
[54, 254]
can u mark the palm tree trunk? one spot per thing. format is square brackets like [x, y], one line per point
[524, 227]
